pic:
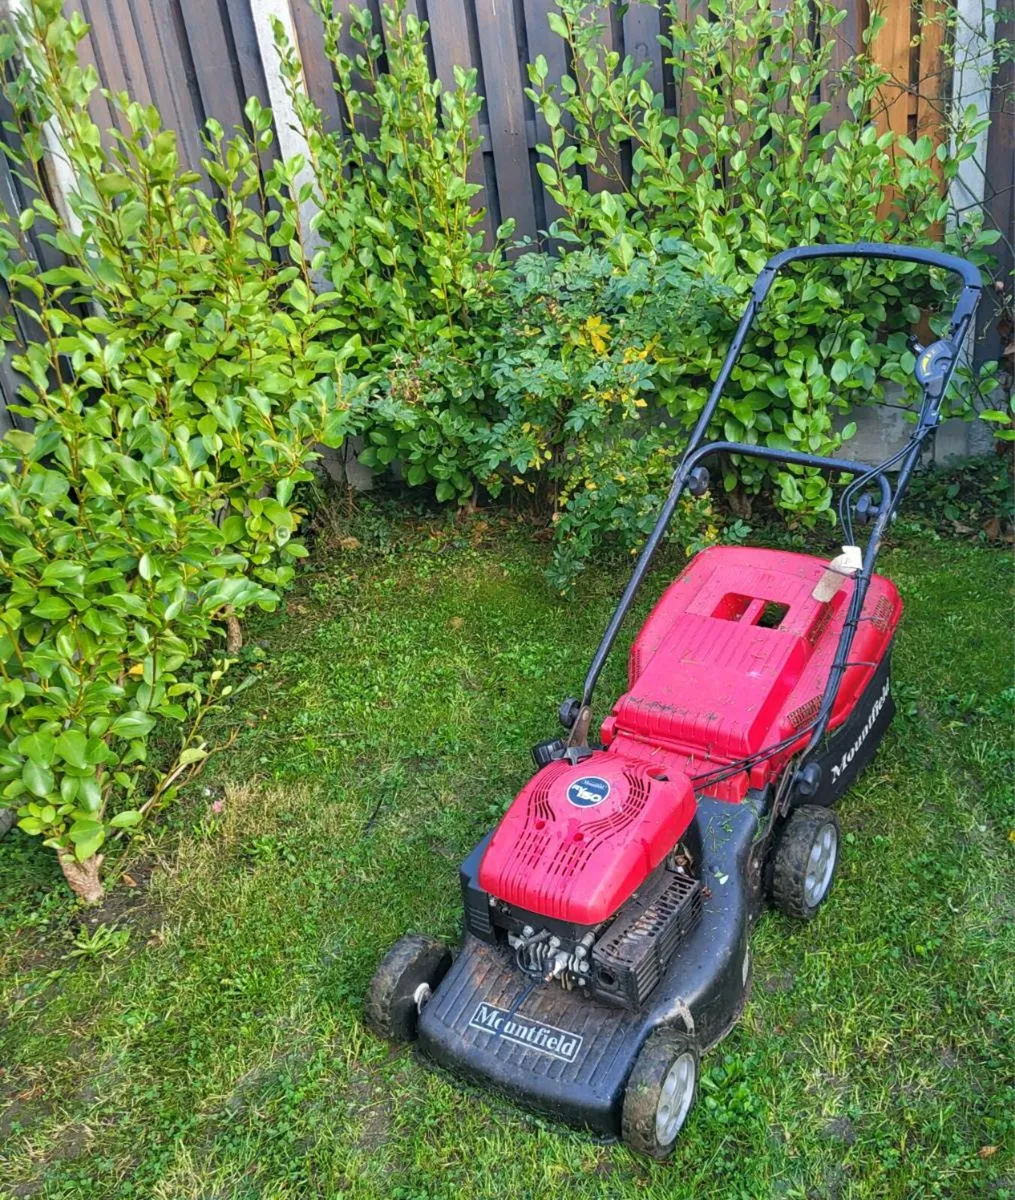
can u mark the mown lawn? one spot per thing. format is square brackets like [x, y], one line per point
[218, 1051]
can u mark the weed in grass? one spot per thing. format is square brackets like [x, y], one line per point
[104, 941]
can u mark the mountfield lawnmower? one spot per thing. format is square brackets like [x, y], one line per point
[607, 916]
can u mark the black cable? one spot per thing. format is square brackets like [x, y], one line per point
[729, 770]
[524, 944]
[861, 481]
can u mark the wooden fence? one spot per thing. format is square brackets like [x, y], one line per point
[195, 59]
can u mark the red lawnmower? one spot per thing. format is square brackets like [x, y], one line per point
[607, 917]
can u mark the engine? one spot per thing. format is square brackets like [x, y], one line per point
[586, 881]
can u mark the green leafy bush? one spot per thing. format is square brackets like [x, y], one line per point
[469, 400]
[566, 409]
[394, 184]
[749, 171]
[586, 355]
[171, 401]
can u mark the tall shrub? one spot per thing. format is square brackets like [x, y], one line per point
[394, 184]
[173, 392]
[586, 349]
[748, 171]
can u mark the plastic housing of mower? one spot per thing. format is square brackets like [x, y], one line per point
[732, 659]
[580, 839]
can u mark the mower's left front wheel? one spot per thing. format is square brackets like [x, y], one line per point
[661, 1091]
[403, 983]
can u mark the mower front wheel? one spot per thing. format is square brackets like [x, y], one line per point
[660, 1093]
[403, 983]
[805, 860]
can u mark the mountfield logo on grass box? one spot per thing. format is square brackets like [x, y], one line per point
[513, 1027]
[875, 712]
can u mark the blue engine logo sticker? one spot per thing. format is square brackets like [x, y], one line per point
[588, 791]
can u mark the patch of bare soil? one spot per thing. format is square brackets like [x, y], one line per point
[370, 1101]
[127, 903]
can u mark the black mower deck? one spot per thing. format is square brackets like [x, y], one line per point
[567, 1056]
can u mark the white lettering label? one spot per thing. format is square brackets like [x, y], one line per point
[847, 758]
[548, 1039]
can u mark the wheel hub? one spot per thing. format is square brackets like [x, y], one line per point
[421, 995]
[675, 1098]
[820, 865]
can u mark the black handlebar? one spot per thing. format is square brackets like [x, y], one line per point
[965, 306]
[918, 254]
[933, 386]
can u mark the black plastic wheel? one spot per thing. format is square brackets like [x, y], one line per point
[804, 861]
[402, 984]
[660, 1093]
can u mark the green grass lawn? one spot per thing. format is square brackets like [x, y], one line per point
[214, 1047]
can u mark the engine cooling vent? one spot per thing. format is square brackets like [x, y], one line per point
[539, 815]
[572, 856]
[820, 625]
[629, 960]
[807, 711]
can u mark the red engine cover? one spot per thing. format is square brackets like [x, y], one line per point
[734, 658]
[578, 840]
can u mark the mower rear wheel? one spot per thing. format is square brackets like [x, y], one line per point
[805, 860]
[403, 983]
[660, 1092]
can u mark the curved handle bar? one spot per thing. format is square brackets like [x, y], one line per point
[930, 258]
[965, 306]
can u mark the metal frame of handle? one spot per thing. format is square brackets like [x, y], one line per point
[933, 392]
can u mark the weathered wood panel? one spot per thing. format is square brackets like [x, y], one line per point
[192, 59]
[196, 58]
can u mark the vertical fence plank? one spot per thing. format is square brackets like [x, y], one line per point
[974, 54]
[848, 42]
[641, 40]
[890, 51]
[498, 40]
[543, 41]
[170, 76]
[971, 88]
[933, 90]
[317, 74]
[684, 100]
[449, 30]
[291, 142]
[366, 123]
[611, 179]
[99, 108]
[214, 58]
[10, 380]
[102, 52]
[248, 56]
